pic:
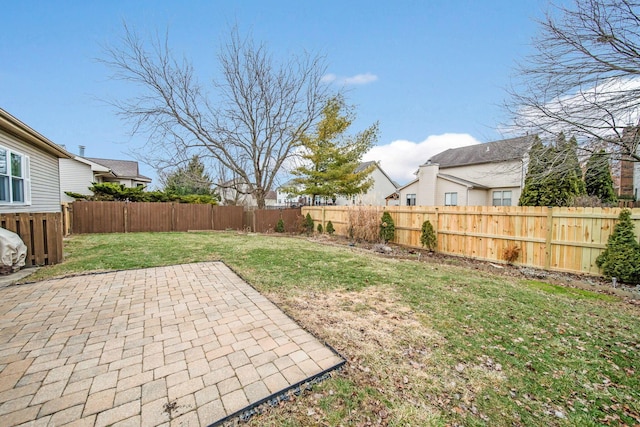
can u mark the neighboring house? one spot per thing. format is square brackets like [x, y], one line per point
[235, 192]
[375, 196]
[125, 172]
[285, 198]
[79, 173]
[626, 175]
[29, 170]
[271, 199]
[76, 176]
[489, 174]
[377, 193]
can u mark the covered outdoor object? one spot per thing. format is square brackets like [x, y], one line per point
[13, 252]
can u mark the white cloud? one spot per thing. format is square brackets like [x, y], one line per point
[329, 78]
[401, 158]
[358, 79]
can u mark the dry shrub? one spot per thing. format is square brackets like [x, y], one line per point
[586, 202]
[363, 224]
[511, 254]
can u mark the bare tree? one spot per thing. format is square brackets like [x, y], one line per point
[249, 123]
[584, 79]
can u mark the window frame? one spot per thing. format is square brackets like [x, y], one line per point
[453, 198]
[9, 178]
[408, 198]
[501, 198]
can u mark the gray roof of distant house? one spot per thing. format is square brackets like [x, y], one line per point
[121, 168]
[489, 152]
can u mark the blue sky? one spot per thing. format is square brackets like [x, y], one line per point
[433, 73]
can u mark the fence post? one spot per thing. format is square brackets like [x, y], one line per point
[547, 247]
[126, 216]
[437, 227]
[173, 216]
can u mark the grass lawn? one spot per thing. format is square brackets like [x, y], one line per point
[427, 343]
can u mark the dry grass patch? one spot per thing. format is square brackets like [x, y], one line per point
[393, 356]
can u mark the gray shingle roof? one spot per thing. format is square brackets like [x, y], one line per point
[362, 166]
[121, 168]
[490, 152]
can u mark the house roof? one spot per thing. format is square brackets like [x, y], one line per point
[364, 165]
[408, 184]
[489, 152]
[121, 168]
[15, 127]
[466, 183]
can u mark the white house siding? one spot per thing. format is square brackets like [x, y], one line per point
[515, 195]
[477, 197]
[376, 195]
[45, 178]
[445, 186]
[492, 175]
[75, 177]
[411, 188]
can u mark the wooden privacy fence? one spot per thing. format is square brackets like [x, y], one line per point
[40, 232]
[128, 217]
[562, 239]
[265, 220]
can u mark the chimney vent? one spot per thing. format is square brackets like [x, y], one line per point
[81, 150]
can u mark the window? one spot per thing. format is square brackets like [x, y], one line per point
[451, 199]
[411, 199]
[502, 198]
[14, 177]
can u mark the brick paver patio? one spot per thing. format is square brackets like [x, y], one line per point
[184, 345]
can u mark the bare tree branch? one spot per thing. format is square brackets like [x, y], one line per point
[584, 79]
[251, 122]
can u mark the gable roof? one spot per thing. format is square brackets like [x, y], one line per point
[15, 127]
[489, 152]
[121, 168]
[364, 165]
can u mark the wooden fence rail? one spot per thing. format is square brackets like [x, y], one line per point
[40, 232]
[561, 239]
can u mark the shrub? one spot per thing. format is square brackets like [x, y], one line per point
[320, 228]
[387, 227]
[280, 226]
[621, 257]
[330, 228]
[428, 236]
[362, 224]
[308, 224]
[511, 253]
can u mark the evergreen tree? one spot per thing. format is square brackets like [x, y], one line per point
[189, 179]
[554, 176]
[597, 178]
[331, 158]
[428, 236]
[536, 171]
[621, 258]
[387, 227]
[567, 180]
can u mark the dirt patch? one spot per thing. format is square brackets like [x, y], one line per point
[387, 347]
